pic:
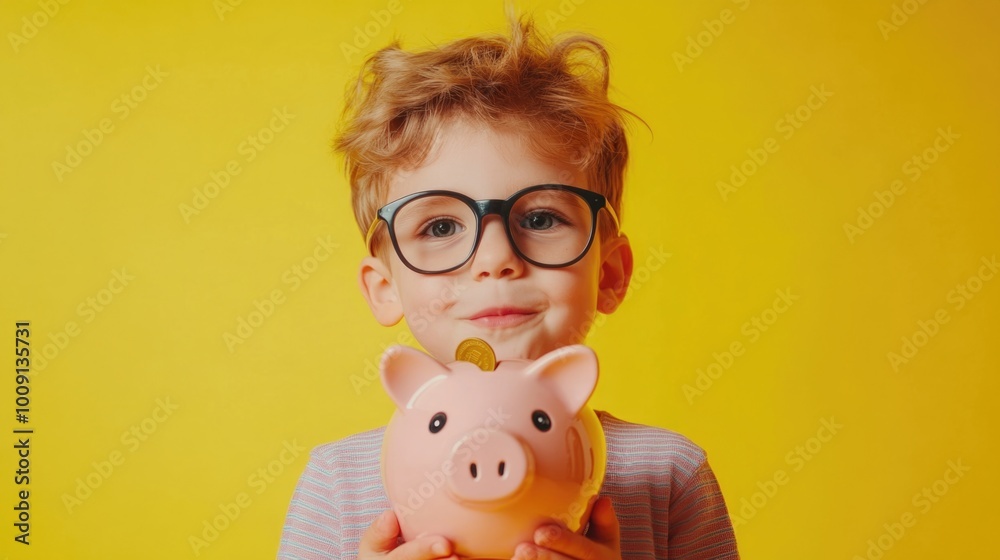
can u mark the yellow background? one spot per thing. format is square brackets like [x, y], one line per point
[62, 237]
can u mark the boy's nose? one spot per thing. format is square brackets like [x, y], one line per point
[495, 258]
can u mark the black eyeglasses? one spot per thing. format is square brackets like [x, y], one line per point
[438, 231]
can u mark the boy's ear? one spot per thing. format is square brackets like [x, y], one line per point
[616, 272]
[376, 285]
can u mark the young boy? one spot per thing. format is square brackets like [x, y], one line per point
[526, 125]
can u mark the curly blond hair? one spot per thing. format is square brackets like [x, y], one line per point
[553, 93]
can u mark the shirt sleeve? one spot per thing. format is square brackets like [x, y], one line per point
[699, 527]
[312, 527]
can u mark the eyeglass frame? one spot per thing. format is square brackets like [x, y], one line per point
[485, 207]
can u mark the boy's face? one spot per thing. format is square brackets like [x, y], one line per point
[521, 310]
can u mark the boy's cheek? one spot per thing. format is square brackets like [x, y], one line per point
[436, 343]
[417, 324]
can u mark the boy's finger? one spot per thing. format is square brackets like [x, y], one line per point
[381, 536]
[604, 527]
[553, 542]
[526, 551]
[424, 548]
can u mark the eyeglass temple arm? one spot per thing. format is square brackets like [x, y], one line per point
[371, 234]
[614, 217]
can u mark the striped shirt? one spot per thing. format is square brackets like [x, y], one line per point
[664, 493]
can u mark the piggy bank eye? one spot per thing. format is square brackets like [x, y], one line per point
[437, 422]
[541, 420]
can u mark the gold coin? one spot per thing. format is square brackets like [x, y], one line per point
[477, 351]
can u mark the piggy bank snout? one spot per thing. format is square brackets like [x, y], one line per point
[489, 470]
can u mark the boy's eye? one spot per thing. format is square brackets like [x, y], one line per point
[540, 220]
[442, 227]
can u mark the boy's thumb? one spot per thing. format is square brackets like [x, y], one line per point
[382, 536]
[604, 526]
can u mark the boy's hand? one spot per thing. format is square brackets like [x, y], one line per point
[379, 541]
[553, 542]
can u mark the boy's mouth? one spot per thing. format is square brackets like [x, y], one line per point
[497, 317]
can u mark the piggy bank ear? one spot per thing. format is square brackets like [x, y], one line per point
[570, 372]
[405, 371]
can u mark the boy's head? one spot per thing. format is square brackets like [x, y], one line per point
[485, 118]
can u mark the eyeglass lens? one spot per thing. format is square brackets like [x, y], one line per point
[438, 232]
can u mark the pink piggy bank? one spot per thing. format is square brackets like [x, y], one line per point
[483, 458]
